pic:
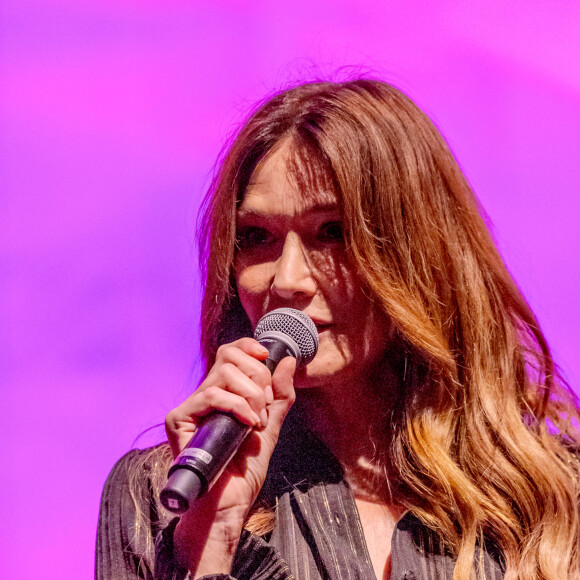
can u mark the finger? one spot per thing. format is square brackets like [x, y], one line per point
[252, 367]
[233, 380]
[248, 345]
[229, 377]
[283, 379]
[284, 394]
[181, 423]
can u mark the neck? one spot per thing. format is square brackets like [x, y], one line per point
[349, 419]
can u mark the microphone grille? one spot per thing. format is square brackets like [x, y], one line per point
[295, 324]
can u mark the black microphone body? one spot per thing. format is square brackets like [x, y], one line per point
[284, 332]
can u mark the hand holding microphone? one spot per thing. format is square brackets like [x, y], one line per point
[283, 332]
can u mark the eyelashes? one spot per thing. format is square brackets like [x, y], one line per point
[255, 237]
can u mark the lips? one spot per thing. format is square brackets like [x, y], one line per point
[321, 326]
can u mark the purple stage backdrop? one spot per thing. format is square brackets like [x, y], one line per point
[112, 114]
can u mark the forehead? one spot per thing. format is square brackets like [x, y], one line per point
[285, 181]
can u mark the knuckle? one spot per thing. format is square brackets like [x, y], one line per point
[222, 349]
[291, 397]
[263, 375]
[211, 394]
[170, 418]
[241, 406]
[257, 397]
[228, 368]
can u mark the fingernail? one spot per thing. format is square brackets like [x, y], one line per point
[264, 350]
[269, 394]
[264, 417]
[257, 420]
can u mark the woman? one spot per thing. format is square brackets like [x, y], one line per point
[429, 438]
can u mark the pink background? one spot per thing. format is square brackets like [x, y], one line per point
[112, 113]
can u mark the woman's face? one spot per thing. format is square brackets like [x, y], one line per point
[291, 253]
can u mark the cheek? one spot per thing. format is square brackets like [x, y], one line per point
[361, 314]
[343, 288]
[253, 283]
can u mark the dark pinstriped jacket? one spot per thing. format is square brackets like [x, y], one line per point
[317, 535]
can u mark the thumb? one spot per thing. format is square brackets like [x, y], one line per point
[283, 389]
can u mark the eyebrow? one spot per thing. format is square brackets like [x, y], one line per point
[316, 208]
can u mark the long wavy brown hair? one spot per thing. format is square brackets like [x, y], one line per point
[480, 445]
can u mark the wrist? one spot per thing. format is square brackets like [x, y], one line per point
[208, 546]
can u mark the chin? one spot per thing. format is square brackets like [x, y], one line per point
[319, 373]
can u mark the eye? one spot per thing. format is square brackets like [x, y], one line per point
[252, 237]
[331, 232]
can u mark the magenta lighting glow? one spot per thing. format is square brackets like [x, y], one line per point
[111, 117]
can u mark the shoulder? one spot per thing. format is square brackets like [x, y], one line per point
[119, 474]
[130, 516]
[138, 465]
[144, 459]
[134, 478]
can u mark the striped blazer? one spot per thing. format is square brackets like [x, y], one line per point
[317, 532]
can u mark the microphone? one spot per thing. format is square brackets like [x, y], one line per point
[284, 332]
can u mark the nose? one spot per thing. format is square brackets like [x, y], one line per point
[293, 277]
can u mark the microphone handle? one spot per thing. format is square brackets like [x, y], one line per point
[202, 460]
[211, 447]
